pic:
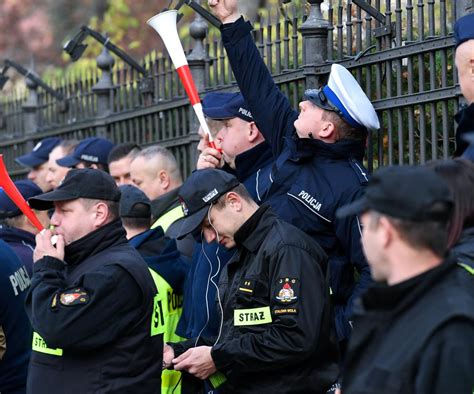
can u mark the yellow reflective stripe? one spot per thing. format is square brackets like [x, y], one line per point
[169, 218]
[467, 268]
[39, 345]
[252, 317]
[169, 382]
[217, 378]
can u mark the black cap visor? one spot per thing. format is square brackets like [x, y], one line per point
[191, 223]
[68, 161]
[318, 98]
[30, 161]
[357, 207]
[46, 201]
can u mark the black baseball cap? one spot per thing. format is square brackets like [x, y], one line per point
[131, 196]
[84, 183]
[202, 189]
[39, 154]
[92, 150]
[413, 193]
[8, 208]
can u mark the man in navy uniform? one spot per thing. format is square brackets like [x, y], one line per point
[318, 155]
[15, 329]
[92, 299]
[37, 161]
[91, 152]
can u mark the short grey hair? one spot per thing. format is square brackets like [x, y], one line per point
[167, 160]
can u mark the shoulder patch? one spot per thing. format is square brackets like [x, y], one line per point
[77, 296]
[287, 290]
[360, 171]
[247, 286]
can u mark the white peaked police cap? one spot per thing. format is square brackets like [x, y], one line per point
[346, 97]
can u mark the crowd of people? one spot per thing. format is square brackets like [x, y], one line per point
[278, 266]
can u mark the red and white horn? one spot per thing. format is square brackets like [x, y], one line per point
[165, 25]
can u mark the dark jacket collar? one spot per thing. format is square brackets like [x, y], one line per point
[164, 203]
[252, 233]
[150, 242]
[465, 120]
[307, 149]
[381, 297]
[104, 237]
[248, 162]
[12, 234]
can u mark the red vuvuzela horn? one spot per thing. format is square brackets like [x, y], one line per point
[165, 25]
[12, 191]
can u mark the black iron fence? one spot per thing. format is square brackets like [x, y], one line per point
[401, 52]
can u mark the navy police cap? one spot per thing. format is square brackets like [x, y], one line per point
[92, 150]
[39, 154]
[343, 95]
[220, 106]
[464, 29]
[8, 208]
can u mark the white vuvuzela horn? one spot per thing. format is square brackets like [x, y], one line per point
[165, 25]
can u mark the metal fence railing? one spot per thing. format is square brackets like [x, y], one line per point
[401, 52]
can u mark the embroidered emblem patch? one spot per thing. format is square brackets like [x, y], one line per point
[287, 293]
[184, 206]
[72, 297]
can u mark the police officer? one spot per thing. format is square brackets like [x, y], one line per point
[37, 161]
[319, 155]
[91, 303]
[91, 152]
[15, 329]
[414, 330]
[275, 330]
[17, 230]
[243, 148]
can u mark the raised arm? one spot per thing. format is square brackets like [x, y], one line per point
[269, 106]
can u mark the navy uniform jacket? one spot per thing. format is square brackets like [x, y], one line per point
[465, 120]
[94, 319]
[311, 179]
[14, 324]
[22, 242]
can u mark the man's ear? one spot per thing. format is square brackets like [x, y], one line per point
[387, 232]
[101, 213]
[328, 131]
[253, 132]
[233, 200]
[164, 179]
